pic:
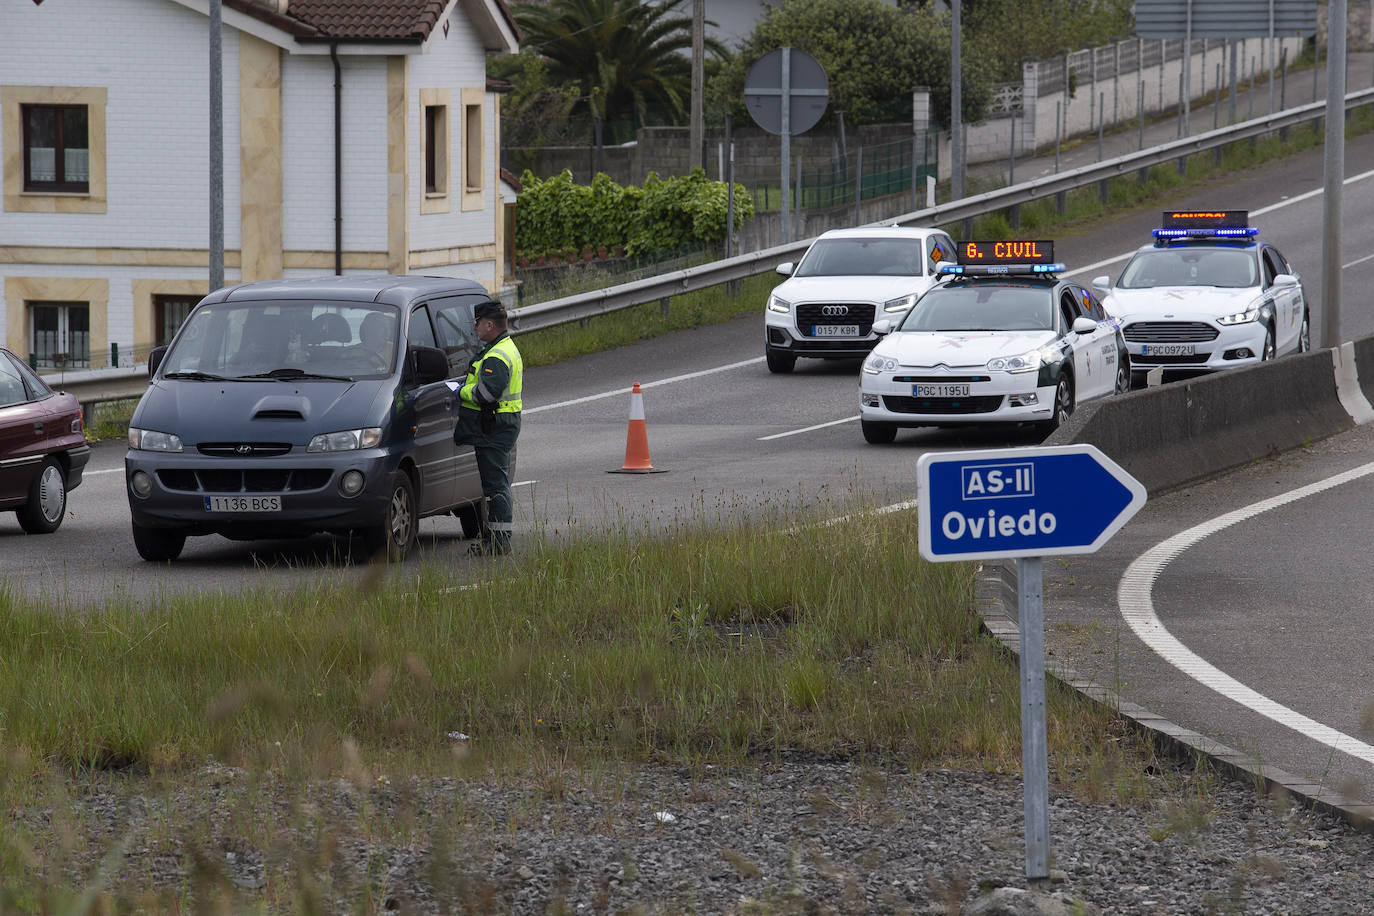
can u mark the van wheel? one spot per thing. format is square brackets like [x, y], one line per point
[878, 433]
[780, 363]
[471, 518]
[396, 534]
[47, 500]
[158, 544]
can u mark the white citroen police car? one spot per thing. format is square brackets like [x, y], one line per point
[847, 279]
[1004, 339]
[1207, 295]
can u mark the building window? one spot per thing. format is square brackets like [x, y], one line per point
[472, 148]
[436, 149]
[56, 148]
[169, 313]
[61, 335]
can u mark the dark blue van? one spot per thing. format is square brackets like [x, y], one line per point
[284, 408]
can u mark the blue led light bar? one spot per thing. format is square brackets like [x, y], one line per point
[1229, 233]
[986, 270]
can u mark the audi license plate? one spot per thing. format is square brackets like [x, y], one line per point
[243, 504]
[835, 330]
[1168, 350]
[940, 391]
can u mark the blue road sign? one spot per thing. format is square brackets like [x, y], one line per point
[1021, 502]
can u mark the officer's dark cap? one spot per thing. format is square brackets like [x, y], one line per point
[489, 310]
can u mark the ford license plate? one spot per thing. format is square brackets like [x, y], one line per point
[835, 330]
[243, 504]
[940, 391]
[1168, 350]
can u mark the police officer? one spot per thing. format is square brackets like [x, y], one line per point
[489, 420]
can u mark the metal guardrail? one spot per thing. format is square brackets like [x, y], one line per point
[94, 386]
[651, 289]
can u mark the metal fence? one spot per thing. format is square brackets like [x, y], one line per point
[863, 173]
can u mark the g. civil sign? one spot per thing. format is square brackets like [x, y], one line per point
[1021, 502]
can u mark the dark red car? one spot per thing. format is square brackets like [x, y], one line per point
[42, 447]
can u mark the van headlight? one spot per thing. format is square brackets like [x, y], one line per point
[877, 364]
[150, 440]
[778, 305]
[346, 440]
[900, 304]
[1244, 317]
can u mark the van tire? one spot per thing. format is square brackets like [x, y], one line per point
[158, 544]
[396, 534]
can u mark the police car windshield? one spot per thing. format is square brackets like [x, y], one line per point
[982, 307]
[862, 257]
[1231, 268]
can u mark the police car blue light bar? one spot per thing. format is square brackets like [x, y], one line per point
[1035, 256]
[1181, 224]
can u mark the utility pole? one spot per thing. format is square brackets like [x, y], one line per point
[216, 149]
[956, 119]
[698, 131]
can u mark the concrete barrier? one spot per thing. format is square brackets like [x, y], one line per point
[1184, 431]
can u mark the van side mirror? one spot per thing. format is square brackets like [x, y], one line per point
[430, 364]
[155, 360]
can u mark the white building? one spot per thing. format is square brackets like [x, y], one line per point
[104, 137]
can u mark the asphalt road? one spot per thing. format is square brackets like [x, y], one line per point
[1276, 601]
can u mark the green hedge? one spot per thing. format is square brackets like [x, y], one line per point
[557, 216]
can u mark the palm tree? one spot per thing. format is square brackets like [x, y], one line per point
[630, 58]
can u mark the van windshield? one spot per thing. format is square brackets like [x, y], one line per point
[306, 337]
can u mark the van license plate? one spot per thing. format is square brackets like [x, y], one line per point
[243, 504]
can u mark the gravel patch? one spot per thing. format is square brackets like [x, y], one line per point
[781, 837]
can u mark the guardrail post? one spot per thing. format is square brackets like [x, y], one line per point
[663, 305]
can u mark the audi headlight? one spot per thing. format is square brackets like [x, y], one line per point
[1248, 315]
[346, 440]
[778, 305]
[878, 364]
[900, 304]
[1025, 362]
[150, 440]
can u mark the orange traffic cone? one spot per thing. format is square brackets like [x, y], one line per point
[636, 440]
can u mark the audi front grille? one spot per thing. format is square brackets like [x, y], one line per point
[811, 314]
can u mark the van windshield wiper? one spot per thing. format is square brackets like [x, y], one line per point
[290, 373]
[196, 376]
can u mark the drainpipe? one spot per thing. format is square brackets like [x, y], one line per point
[338, 160]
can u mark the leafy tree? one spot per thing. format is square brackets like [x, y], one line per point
[630, 59]
[1011, 31]
[536, 112]
[873, 55]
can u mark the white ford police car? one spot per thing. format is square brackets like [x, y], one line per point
[847, 279]
[1207, 294]
[1003, 340]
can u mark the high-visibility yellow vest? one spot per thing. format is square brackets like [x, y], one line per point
[509, 400]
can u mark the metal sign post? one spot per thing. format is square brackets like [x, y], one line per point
[786, 93]
[1026, 503]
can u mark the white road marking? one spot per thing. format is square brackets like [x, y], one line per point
[103, 471]
[1137, 609]
[798, 432]
[624, 392]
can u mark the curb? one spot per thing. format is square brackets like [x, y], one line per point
[995, 594]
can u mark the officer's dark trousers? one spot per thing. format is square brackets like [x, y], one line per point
[493, 451]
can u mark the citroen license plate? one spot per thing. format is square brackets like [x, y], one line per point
[940, 391]
[835, 330]
[243, 504]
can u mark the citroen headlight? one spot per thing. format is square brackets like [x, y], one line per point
[900, 304]
[878, 364]
[150, 440]
[778, 305]
[1250, 314]
[346, 440]
[1026, 362]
